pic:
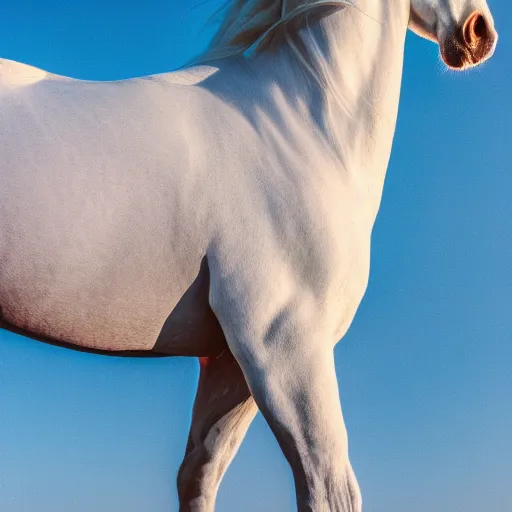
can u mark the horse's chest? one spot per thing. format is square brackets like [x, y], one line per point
[343, 262]
[322, 232]
[348, 280]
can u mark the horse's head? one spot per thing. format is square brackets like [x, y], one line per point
[464, 29]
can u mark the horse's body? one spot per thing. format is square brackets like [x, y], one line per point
[121, 188]
[139, 215]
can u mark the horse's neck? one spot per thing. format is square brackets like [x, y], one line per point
[363, 50]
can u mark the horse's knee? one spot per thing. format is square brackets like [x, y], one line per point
[190, 480]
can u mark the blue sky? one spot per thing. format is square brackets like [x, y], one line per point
[425, 371]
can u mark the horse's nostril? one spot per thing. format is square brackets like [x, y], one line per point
[480, 27]
[475, 29]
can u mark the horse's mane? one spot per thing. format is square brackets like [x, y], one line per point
[253, 25]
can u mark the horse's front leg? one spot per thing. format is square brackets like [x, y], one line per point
[290, 371]
[223, 411]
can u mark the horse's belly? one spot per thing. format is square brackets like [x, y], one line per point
[124, 322]
[89, 281]
[99, 313]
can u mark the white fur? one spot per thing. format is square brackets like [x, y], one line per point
[272, 165]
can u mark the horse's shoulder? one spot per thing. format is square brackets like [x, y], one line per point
[14, 73]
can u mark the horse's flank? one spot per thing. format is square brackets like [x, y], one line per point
[73, 240]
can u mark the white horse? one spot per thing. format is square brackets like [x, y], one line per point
[221, 211]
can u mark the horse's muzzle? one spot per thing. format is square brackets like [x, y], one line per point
[471, 44]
